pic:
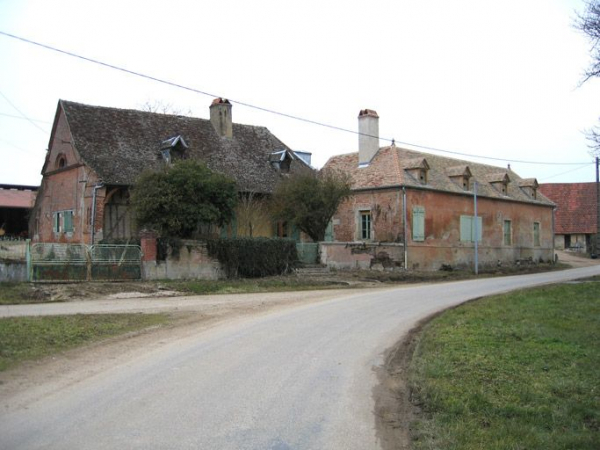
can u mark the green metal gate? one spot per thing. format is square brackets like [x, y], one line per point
[308, 252]
[78, 262]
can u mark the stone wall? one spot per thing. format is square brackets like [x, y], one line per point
[362, 255]
[13, 271]
[190, 260]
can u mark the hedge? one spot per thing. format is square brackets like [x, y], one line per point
[254, 257]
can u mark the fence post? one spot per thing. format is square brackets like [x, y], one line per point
[28, 260]
[148, 245]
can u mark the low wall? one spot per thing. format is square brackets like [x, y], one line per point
[463, 257]
[13, 271]
[190, 260]
[362, 255]
[390, 256]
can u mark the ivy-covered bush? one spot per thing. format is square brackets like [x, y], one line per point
[254, 257]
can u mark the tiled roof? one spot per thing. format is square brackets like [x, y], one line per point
[118, 144]
[388, 168]
[16, 198]
[576, 204]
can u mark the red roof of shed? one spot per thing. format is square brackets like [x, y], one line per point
[577, 206]
[16, 198]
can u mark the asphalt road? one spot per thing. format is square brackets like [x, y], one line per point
[296, 378]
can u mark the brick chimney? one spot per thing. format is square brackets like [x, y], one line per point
[220, 117]
[368, 138]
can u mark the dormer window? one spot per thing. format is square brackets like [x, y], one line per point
[281, 160]
[174, 147]
[461, 175]
[61, 161]
[530, 187]
[499, 181]
[418, 168]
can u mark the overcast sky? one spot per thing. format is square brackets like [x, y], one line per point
[489, 78]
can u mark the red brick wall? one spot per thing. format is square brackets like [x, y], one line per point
[68, 188]
[442, 244]
[386, 212]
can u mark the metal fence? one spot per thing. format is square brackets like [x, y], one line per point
[78, 262]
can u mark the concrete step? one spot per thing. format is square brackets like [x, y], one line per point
[313, 270]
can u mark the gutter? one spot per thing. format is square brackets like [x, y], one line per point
[94, 193]
[405, 228]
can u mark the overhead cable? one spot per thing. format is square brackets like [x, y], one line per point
[271, 111]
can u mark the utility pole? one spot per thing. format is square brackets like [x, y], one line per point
[475, 227]
[597, 246]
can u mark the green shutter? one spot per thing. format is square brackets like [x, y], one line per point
[68, 221]
[507, 233]
[329, 232]
[418, 219]
[465, 228]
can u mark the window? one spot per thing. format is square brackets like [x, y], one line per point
[61, 161]
[507, 232]
[418, 222]
[365, 225]
[467, 228]
[68, 221]
[56, 222]
[62, 222]
[536, 234]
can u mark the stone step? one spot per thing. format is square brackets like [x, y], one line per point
[313, 270]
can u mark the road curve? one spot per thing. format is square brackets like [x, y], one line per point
[298, 378]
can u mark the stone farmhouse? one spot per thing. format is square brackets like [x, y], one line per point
[416, 210]
[576, 214]
[96, 153]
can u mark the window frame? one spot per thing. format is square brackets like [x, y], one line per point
[60, 221]
[365, 218]
[536, 234]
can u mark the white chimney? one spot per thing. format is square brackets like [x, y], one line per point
[368, 137]
[220, 117]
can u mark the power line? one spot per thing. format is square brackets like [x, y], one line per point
[568, 171]
[23, 115]
[25, 118]
[271, 111]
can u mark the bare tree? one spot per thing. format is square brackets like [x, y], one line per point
[588, 22]
[252, 213]
[160, 107]
[593, 136]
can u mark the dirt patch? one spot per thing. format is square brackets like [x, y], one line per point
[394, 411]
[65, 292]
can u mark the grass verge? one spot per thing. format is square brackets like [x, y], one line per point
[517, 371]
[26, 338]
[15, 293]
